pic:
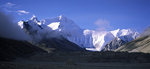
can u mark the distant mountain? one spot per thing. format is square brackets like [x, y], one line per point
[120, 40]
[102, 38]
[141, 44]
[63, 27]
[114, 44]
[12, 49]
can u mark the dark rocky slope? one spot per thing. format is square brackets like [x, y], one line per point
[11, 49]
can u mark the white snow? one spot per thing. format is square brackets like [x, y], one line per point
[54, 25]
[33, 17]
[60, 17]
[125, 32]
[20, 23]
[115, 32]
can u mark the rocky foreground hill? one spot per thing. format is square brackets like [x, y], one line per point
[141, 44]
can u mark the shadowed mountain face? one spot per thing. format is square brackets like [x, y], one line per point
[141, 44]
[114, 44]
[59, 44]
[11, 49]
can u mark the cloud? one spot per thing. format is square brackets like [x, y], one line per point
[8, 7]
[21, 12]
[13, 8]
[8, 29]
[102, 25]
[9, 4]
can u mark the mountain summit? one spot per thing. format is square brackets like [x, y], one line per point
[61, 26]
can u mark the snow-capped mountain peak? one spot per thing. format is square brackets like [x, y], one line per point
[61, 17]
[34, 18]
[60, 22]
[20, 23]
[115, 32]
[125, 32]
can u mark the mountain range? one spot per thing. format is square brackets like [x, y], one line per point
[63, 27]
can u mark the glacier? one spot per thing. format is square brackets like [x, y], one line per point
[91, 40]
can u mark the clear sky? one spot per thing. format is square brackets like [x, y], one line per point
[134, 14]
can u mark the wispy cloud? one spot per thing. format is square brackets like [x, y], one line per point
[13, 8]
[9, 4]
[21, 12]
[8, 7]
[102, 25]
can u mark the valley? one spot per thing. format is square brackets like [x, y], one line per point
[53, 65]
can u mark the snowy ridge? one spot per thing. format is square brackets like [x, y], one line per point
[89, 39]
[101, 38]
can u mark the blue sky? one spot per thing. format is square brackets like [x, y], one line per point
[134, 14]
